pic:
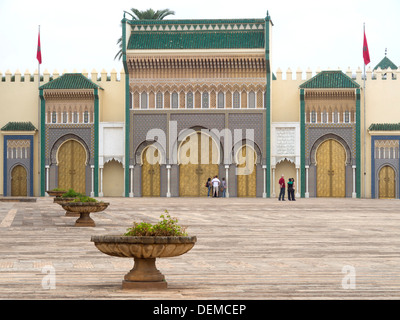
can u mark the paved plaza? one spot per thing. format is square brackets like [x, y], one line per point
[246, 249]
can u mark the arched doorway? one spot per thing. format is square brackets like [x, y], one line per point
[198, 158]
[246, 172]
[331, 175]
[19, 185]
[71, 166]
[387, 183]
[113, 179]
[151, 159]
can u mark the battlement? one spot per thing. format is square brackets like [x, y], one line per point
[357, 75]
[46, 76]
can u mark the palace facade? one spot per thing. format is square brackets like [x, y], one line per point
[195, 99]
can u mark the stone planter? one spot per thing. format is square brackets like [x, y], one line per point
[85, 209]
[144, 251]
[61, 201]
[53, 193]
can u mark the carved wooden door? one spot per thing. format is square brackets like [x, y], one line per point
[387, 183]
[150, 172]
[246, 173]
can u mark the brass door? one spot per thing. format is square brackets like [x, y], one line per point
[194, 174]
[387, 183]
[71, 166]
[19, 183]
[150, 172]
[246, 178]
[331, 175]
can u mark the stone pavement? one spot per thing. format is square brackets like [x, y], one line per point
[246, 249]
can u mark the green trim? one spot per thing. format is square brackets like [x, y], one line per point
[302, 143]
[71, 81]
[358, 142]
[96, 142]
[268, 108]
[127, 107]
[195, 22]
[384, 127]
[330, 79]
[19, 126]
[42, 143]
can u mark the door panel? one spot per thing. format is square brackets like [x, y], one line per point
[71, 166]
[387, 183]
[19, 183]
[331, 175]
[247, 182]
[150, 173]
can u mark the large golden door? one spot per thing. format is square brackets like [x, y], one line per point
[246, 178]
[331, 175]
[71, 166]
[19, 184]
[198, 162]
[150, 172]
[387, 183]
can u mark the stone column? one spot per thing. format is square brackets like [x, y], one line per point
[131, 194]
[101, 182]
[168, 167]
[307, 194]
[354, 194]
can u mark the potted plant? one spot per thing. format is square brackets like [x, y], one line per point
[68, 196]
[84, 206]
[56, 192]
[145, 242]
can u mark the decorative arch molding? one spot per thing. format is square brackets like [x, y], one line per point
[327, 137]
[145, 144]
[239, 145]
[56, 147]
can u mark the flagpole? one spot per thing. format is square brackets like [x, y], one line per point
[365, 136]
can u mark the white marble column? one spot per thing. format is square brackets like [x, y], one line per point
[273, 181]
[92, 192]
[131, 194]
[101, 182]
[47, 179]
[227, 180]
[297, 186]
[168, 166]
[307, 194]
[354, 194]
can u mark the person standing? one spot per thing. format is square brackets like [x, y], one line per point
[289, 189]
[215, 183]
[209, 186]
[223, 188]
[293, 188]
[282, 185]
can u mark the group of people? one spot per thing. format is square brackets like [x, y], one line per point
[215, 185]
[290, 188]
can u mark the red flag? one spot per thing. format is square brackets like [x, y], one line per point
[366, 51]
[39, 51]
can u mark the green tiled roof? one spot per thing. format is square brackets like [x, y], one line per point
[386, 63]
[384, 127]
[330, 80]
[196, 22]
[70, 81]
[197, 40]
[19, 126]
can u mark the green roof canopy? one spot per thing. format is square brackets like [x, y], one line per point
[384, 127]
[19, 126]
[386, 63]
[330, 80]
[70, 81]
[197, 40]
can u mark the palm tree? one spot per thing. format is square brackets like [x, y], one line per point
[148, 14]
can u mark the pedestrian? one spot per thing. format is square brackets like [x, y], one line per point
[223, 188]
[293, 188]
[282, 185]
[289, 189]
[209, 186]
[215, 183]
